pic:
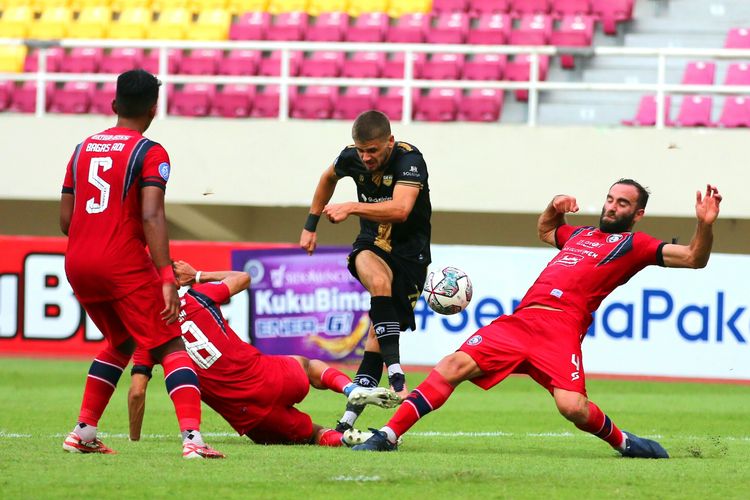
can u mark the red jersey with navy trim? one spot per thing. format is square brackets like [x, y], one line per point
[589, 266]
[106, 256]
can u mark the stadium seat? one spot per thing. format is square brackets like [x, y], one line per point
[532, 29]
[211, 24]
[481, 105]
[239, 7]
[318, 7]
[16, 21]
[23, 99]
[699, 73]
[151, 61]
[54, 60]
[563, 8]
[92, 22]
[442, 66]
[391, 102]
[480, 7]
[162, 5]
[695, 111]
[359, 7]
[12, 58]
[133, 23]
[353, 101]
[172, 24]
[79, 5]
[485, 67]
[121, 59]
[519, 70]
[409, 28]
[645, 116]
[322, 64]
[201, 6]
[394, 65]
[82, 60]
[251, 26]
[368, 27]
[611, 12]
[271, 65]
[529, 7]
[201, 62]
[737, 38]
[364, 65]
[397, 9]
[73, 98]
[6, 90]
[53, 24]
[234, 101]
[328, 27]
[101, 100]
[194, 99]
[573, 31]
[439, 105]
[241, 62]
[738, 74]
[315, 103]
[735, 113]
[267, 101]
[276, 7]
[449, 6]
[121, 5]
[290, 26]
[449, 28]
[491, 29]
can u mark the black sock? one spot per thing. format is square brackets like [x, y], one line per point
[387, 328]
[370, 370]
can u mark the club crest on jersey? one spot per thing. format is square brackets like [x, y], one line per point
[614, 238]
[387, 180]
[164, 171]
[475, 340]
[361, 179]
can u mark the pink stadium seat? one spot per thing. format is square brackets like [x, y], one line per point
[479, 7]
[368, 27]
[271, 65]
[267, 101]
[699, 73]
[738, 38]
[481, 105]
[322, 64]
[447, 6]
[738, 74]
[611, 12]
[394, 65]
[519, 70]
[242, 62]
[364, 65]
[391, 102]
[695, 111]
[121, 59]
[101, 100]
[439, 105]
[82, 60]
[534, 29]
[529, 7]
[443, 67]
[573, 31]
[201, 62]
[328, 27]
[315, 103]
[194, 99]
[289, 26]
[251, 26]
[449, 28]
[485, 67]
[353, 101]
[645, 116]
[234, 101]
[736, 112]
[562, 8]
[23, 99]
[409, 28]
[6, 90]
[73, 98]
[491, 29]
[54, 60]
[151, 61]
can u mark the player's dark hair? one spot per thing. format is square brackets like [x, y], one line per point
[643, 193]
[371, 125]
[137, 91]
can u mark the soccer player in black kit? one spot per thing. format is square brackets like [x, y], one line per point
[392, 251]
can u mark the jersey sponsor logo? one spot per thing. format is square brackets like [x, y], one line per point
[589, 244]
[568, 260]
[164, 170]
[369, 199]
[412, 172]
[556, 292]
[614, 238]
[475, 340]
[387, 180]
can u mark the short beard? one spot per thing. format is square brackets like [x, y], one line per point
[619, 225]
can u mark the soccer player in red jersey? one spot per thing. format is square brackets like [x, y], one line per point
[542, 338]
[255, 393]
[112, 208]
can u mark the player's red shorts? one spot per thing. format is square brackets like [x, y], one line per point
[285, 424]
[541, 343]
[137, 314]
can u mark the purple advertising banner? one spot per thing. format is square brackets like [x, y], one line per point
[305, 305]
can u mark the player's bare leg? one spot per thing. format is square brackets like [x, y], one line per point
[589, 418]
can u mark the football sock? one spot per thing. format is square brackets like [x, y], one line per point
[101, 381]
[370, 370]
[191, 436]
[182, 386]
[387, 329]
[329, 437]
[602, 427]
[428, 396]
[85, 432]
[336, 380]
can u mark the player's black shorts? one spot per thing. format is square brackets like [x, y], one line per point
[408, 280]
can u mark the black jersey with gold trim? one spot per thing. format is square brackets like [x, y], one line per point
[409, 240]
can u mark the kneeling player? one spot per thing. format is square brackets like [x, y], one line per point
[255, 393]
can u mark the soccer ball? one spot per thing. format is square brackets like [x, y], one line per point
[448, 291]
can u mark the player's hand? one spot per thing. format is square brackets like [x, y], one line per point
[564, 204]
[707, 206]
[185, 273]
[308, 240]
[171, 303]
[337, 212]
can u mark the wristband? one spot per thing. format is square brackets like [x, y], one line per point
[312, 222]
[198, 277]
[166, 274]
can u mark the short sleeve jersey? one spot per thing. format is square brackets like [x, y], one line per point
[409, 240]
[589, 266]
[106, 256]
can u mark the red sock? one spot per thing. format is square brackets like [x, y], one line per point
[101, 381]
[334, 379]
[329, 437]
[602, 427]
[428, 396]
[182, 386]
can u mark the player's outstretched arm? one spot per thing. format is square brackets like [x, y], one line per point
[554, 217]
[695, 255]
[236, 281]
[155, 231]
[394, 211]
[67, 202]
[308, 240]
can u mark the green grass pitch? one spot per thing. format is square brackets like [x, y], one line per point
[505, 443]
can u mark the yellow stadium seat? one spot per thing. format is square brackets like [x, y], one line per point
[357, 7]
[241, 6]
[211, 25]
[401, 7]
[79, 5]
[172, 24]
[132, 23]
[317, 7]
[279, 6]
[92, 22]
[42, 5]
[16, 21]
[203, 5]
[52, 25]
[6, 4]
[12, 58]
[162, 5]
[122, 5]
